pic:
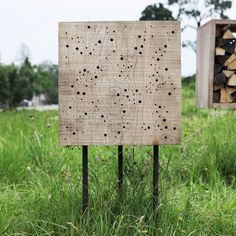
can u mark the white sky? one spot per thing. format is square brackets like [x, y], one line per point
[35, 23]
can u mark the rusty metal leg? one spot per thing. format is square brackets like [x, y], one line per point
[155, 175]
[85, 177]
[120, 172]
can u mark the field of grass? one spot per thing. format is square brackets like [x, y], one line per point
[40, 182]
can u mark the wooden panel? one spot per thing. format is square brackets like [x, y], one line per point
[224, 105]
[204, 65]
[222, 23]
[211, 62]
[206, 44]
[119, 83]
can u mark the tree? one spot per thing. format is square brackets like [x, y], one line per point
[23, 53]
[197, 11]
[154, 12]
[4, 87]
[23, 86]
[47, 81]
[193, 13]
[8, 76]
[21, 82]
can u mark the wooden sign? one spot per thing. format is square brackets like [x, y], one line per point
[119, 83]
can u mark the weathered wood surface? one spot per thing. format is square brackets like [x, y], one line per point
[214, 36]
[232, 65]
[220, 51]
[228, 73]
[228, 34]
[224, 105]
[230, 59]
[232, 80]
[205, 65]
[119, 83]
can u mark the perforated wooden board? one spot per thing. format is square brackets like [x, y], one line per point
[119, 83]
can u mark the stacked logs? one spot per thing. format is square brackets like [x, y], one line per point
[225, 67]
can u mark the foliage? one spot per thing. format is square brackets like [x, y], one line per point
[154, 12]
[41, 182]
[21, 82]
[47, 81]
[7, 83]
[191, 12]
[24, 83]
[200, 10]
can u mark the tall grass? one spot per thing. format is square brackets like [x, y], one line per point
[40, 187]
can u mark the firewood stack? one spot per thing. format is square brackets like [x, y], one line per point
[225, 67]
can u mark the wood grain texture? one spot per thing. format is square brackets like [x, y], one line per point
[205, 65]
[119, 83]
[206, 43]
[224, 105]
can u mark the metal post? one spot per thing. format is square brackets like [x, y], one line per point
[155, 175]
[85, 177]
[120, 171]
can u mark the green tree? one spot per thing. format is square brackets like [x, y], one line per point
[4, 86]
[23, 86]
[8, 77]
[193, 13]
[18, 83]
[47, 81]
[154, 12]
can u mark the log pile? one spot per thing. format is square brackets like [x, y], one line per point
[225, 67]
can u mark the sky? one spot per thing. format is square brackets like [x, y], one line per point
[35, 24]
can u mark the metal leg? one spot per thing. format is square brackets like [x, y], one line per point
[85, 177]
[155, 175]
[120, 171]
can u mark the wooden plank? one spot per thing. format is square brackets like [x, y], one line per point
[225, 96]
[222, 23]
[230, 90]
[220, 51]
[232, 65]
[232, 80]
[228, 73]
[218, 32]
[209, 37]
[217, 87]
[224, 105]
[230, 59]
[205, 71]
[228, 35]
[224, 28]
[119, 83]
[211, 63]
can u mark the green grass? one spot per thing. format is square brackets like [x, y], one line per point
[40, 187]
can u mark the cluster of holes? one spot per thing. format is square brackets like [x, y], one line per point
[122, 58]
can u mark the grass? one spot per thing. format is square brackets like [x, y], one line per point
[40, 187]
